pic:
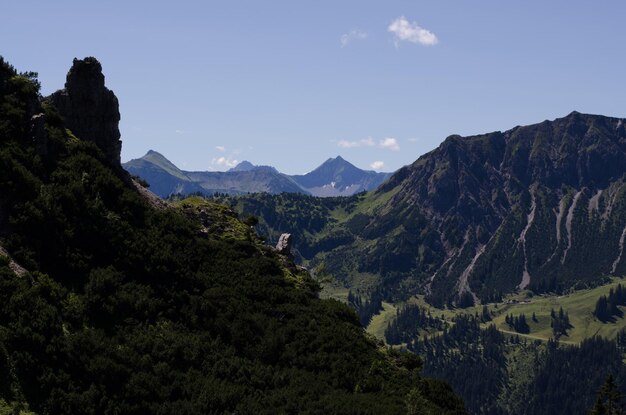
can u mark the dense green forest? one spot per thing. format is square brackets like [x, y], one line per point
[132, 309]
[510, 374]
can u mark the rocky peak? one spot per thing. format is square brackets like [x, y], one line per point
[89, 108]
[243, 166]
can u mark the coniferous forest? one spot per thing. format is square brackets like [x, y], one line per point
[498, 374]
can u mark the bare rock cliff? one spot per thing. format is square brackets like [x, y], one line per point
[90, 109]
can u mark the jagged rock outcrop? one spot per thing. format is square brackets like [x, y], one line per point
[284, 244]
[90, 109]
[15, 267]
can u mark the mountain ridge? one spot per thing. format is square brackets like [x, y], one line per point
[335, 177]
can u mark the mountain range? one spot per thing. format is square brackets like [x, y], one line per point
[539, 207]
[335, 177]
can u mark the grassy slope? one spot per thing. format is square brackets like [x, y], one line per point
[579, 304]
[380, 321]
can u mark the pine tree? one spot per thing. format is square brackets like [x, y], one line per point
[598, 408]
[602, 309]
[609, 399]
[486, 316]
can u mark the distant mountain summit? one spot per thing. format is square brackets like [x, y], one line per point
[162, 175]
[243, 166]
[247, 166]
[335, 177]
[338, 177]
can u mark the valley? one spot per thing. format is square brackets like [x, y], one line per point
[542, 207]
[316, 208]
[489, 254]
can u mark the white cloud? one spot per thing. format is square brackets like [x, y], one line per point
[347, 38]
[220, 148]
[180, 132]
[405, 31]
[224, 162]
[364, 142]
[389, 143]
[377, 165]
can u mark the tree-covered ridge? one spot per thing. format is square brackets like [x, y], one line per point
[131, 309]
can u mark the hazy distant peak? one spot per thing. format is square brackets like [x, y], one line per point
[243, 166]
[156, 159]
[337, 161]
[152, 154]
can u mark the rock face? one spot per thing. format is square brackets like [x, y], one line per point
[284, 244]
[540, 206]
[90, 109]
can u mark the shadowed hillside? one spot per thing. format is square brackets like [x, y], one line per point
[123, 304]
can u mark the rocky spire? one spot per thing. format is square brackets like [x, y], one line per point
[90, 109]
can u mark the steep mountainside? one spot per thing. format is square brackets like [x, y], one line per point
[537, 206]
[123, 307]
[541, 206]
[335, 177]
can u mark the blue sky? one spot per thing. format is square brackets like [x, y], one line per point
[292, 83]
